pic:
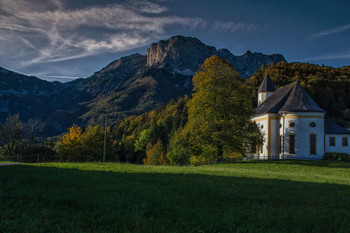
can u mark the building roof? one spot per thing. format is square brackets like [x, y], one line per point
[290, 98]
[267, 85]
[332, 128]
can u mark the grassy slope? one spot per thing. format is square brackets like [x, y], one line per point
[276, 196]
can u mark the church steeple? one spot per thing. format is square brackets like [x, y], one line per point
[266, 89]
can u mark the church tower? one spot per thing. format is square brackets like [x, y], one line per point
[266, 89]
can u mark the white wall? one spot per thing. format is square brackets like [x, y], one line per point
[338, 148]
[262, 121]
[273, 126]
[302, 131]
[274, 129]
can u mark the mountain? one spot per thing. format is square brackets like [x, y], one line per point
[57, 104]
[185, 55]
[129, 85]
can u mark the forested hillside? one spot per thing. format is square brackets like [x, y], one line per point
[328, 86]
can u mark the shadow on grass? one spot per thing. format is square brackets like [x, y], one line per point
[51, 199]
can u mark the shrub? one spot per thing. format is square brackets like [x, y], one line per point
[336, 156]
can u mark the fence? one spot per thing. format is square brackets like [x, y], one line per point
[32, 158]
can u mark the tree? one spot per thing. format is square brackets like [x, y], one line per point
[156, 154]
[10, 134]
[144, 139]
[93, 140]
[69, 147]
[179, 148]
[219, 111]
[31, 128]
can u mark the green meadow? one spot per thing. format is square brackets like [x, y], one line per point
[252, 196]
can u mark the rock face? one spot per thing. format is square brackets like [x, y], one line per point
[184, 54]
[248, 63]
[179, 53]
[129, 85]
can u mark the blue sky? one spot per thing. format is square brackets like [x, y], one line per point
[59, 39]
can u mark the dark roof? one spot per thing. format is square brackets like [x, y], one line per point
[332, 128]
[267, 85]
[290, 98]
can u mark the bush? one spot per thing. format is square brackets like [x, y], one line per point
[336, 156]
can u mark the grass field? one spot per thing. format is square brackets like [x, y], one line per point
[268, 196]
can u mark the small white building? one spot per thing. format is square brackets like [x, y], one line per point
[294, 126]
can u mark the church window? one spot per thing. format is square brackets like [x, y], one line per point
[312, 124]
[292, 144]
[345, 141]
[331, 141]
[313, 144]
[262, 126]
[291, 124]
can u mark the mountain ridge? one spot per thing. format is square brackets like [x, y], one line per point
[129, 85]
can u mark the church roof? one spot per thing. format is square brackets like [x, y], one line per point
[267, 85]
[290, 98]
[332, 128]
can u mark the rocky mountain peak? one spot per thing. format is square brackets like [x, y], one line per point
[179, 52]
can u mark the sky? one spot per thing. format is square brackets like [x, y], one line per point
[65, 39]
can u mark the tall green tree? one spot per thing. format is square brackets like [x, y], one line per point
[219, 112]
[10, 135]
[93, 143]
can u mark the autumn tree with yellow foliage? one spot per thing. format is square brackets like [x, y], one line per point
[219, 112]
[69, 147]
[87, 145]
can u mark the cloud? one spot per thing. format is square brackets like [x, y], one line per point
[148, 7]
[43, 33]
[329, 32]
[330, 56]
[233, 27]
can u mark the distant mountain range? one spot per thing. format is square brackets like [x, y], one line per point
[129, 85]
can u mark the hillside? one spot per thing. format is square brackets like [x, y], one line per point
[328, 86]
[57, 104]
[252, 197]
[128, 86]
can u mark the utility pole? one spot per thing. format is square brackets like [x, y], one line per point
[105, 142]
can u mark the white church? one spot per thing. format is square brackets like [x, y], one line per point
[294, 126]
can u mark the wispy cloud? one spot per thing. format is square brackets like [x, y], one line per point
[329, 32]
[233, 27]
[147, 7]
[330, 56]
[49, 33]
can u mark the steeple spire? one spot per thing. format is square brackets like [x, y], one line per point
[266, 89]
[267, 85]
